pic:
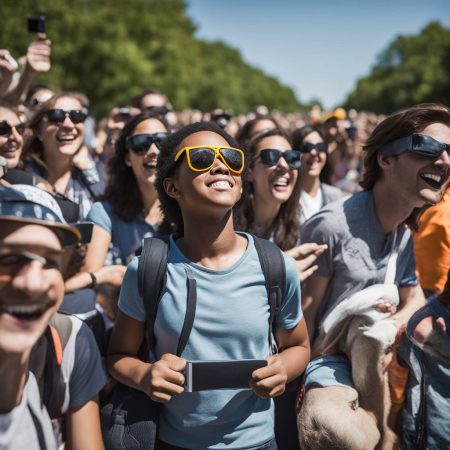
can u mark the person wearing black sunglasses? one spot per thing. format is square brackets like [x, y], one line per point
[130, 208]
[369, 237]
[315, 194]
[222, 268]
[11, 136]
[58, 136]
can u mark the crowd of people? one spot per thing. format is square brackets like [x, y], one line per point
[315, 245]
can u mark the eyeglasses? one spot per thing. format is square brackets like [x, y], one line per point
[140, 143]
[201, 158]
[6, 128]
[421, 144]
[319, 146]
[19, 259]
[271, 156]
[59, 115]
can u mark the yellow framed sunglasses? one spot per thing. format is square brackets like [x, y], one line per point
[201, 158]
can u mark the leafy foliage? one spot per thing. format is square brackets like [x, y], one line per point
[112, 50]
[413, 69]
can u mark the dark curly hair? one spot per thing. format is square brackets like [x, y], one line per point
[166, 167]
[400, 124]
[287, 222]
[122, 190]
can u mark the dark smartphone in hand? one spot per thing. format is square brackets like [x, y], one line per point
[36, 24]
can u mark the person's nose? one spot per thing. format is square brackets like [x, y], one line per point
[153, 150]
[282, 165]
[31, 280]
[15, 134]
[313, 152]
[444, 159]
[219, 167]
[67, 122]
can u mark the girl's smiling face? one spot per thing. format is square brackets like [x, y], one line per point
[275, 182]
[144, 166]
[11, 144]
[314, 161]
[211, 192]
[62, 138]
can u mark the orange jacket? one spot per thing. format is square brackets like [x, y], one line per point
[432, 245]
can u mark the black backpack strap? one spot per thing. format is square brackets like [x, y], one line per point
[151, 279]
[190, 311]
[274, 270]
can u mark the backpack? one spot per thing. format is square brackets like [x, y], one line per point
[130, 417]
[45, 363]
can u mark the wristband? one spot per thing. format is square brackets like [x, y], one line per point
[94, 280]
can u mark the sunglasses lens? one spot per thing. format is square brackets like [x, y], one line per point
[140, 143]
[322, 147]
[56, 115]
[5, 128]
[292, 157]
[202, 158]
[427, 146]
[233, 158]
[270, 157]
[77, 116]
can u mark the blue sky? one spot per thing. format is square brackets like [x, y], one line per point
[318, 47]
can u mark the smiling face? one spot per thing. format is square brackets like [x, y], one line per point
[210, 193]
[63, 138]
[272, 183]
[30, 290]
[12, 143]
[144, 166]
[421, 180]
[314, 161]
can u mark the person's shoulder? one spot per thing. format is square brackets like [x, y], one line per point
[331, 193]
[329, 220]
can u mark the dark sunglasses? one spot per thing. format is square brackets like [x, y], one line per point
[319, 146]
[270, 157]
[158, 110]
[6, 128]
[140, 143]
[202, 157]
[59, 115]
[421, 144]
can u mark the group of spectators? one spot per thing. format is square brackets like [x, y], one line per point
[357, 203]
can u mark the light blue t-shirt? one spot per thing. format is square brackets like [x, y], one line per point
[126, 237]
[231, 322]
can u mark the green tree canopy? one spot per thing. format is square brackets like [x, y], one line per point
[112, 50]
[412, 69]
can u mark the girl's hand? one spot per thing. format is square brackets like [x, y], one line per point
[305, 255]
[269, 381]
[164, 378]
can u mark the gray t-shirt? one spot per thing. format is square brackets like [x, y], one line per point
[27, 426]
[358, 251]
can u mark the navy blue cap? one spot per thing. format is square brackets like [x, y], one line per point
[29, 204]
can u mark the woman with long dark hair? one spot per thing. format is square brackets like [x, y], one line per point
[130, 208]
[315, 194]
[270, 205]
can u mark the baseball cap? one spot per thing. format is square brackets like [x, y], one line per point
[29, 204]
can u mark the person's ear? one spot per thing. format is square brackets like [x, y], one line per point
[171, 188]
[127, 159]
[385, 162]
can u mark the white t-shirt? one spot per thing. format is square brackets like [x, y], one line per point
[310, 205]
[28, 425]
